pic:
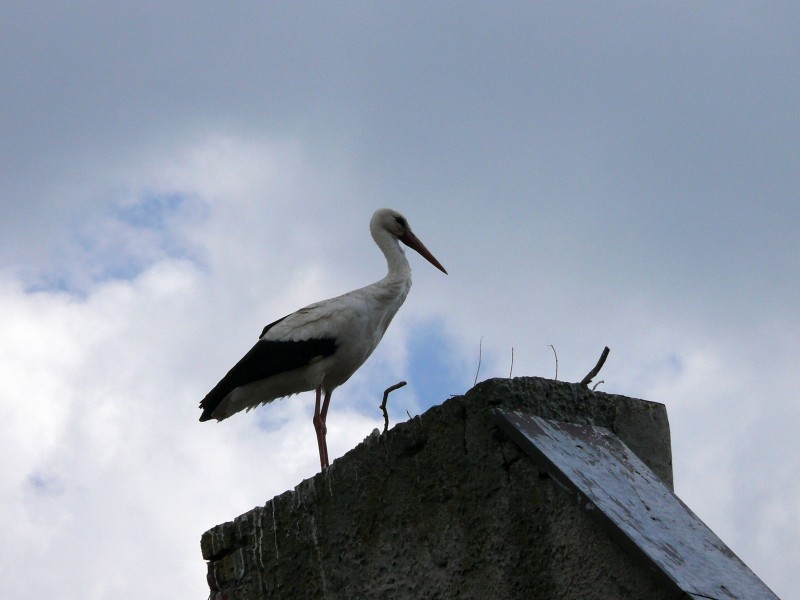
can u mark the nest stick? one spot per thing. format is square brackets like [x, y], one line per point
[386, 393]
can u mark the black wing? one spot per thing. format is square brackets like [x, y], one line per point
[265, 359]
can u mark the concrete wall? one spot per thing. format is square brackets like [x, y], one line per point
[444, 506]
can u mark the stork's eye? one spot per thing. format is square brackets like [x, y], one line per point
[401, 221]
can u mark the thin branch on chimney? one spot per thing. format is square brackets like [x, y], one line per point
[556, 355]
[480, 352]
[386, 393]
[593, 373]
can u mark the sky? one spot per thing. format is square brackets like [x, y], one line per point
[176, 175]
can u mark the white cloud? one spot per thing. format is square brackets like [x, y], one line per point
[174, 179]
[100, 389]
[107, 471]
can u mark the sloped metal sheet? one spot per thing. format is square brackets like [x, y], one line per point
[616, 487]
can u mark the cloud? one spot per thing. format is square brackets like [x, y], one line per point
[173, 179]
[100, 388]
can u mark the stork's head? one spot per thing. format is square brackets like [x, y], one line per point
[391, 221]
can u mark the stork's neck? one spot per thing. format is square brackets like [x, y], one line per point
[396, 261]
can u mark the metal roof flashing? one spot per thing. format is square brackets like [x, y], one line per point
[637, 509]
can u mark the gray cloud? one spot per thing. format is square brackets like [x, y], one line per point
[589, 175]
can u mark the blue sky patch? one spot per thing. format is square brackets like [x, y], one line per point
[121, 244]
[436, 370]
[45, 485]
[151, 211]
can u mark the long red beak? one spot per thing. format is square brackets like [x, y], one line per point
[412, 241]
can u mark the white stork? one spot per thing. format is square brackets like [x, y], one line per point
[320, 346]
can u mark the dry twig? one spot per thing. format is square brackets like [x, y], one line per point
[511, 371]
[593, 373]
[386, 393]
[556, 355]
[480, 352]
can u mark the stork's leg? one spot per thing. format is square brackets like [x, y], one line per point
[319, 426]
[323, 415]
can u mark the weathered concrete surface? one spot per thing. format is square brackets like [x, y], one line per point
[445, 506]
